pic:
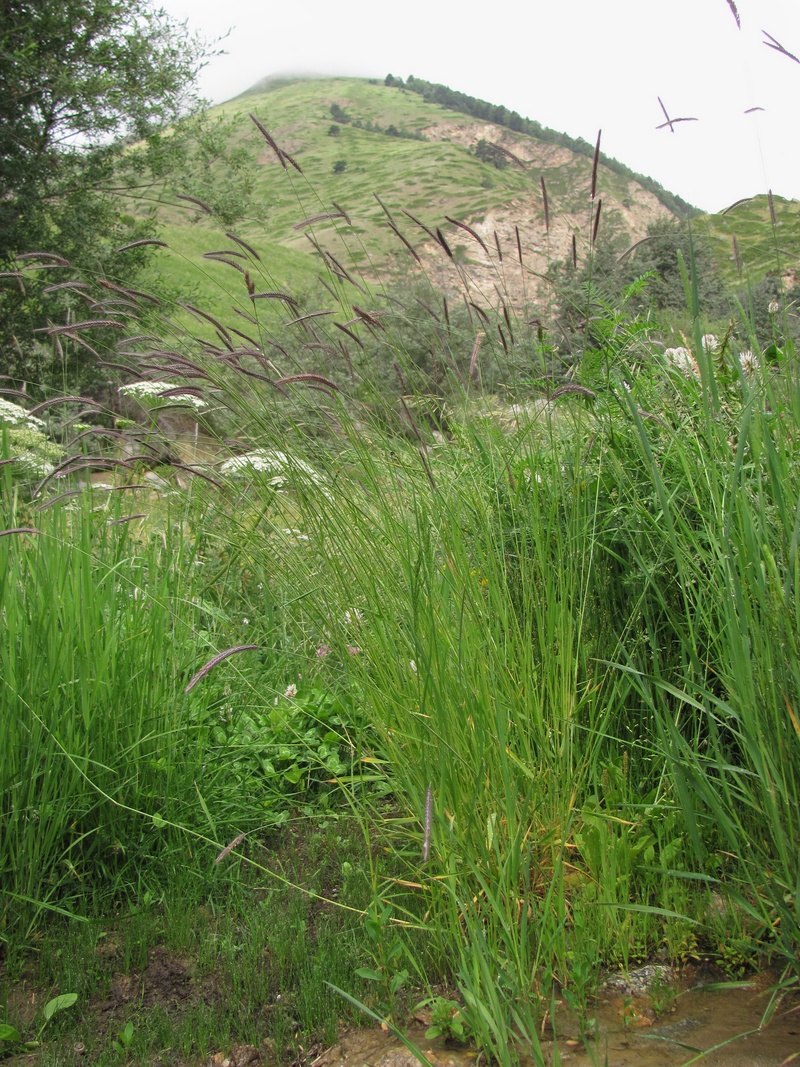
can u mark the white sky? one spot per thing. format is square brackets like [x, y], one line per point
[574, 65]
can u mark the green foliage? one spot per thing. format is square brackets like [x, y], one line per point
[447, 1021]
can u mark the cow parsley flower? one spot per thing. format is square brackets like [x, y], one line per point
[151, 393]
[14, 415]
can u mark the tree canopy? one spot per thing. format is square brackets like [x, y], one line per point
[80, 81]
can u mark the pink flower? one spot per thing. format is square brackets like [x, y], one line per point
[352, 650]
[323, 651]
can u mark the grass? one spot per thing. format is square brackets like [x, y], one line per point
[532, 670]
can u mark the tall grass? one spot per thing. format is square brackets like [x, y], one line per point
[569, 625]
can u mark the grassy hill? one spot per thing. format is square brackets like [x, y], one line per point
[357, 140]
[384, 177]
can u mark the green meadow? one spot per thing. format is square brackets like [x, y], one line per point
[413, 632]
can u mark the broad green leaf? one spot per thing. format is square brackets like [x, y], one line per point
[66, 1000]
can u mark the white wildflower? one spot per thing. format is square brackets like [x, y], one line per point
[748, 361]
[33, 464]
[151, 392]
[774, 307]
[412, 664]
[710, 343]
[353, 617]
[14, 415]
[291, 692]
[683, 360]
[277, 463]
[245, 622]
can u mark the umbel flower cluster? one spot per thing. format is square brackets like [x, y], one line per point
[282, 466]
[29, 447]
[153, 393]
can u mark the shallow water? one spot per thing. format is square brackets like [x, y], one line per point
[712, 1027]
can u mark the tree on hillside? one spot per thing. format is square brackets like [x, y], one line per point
[80, 81]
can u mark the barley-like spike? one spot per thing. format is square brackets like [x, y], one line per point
[502, 338]
[573, 387]
[342, 212]
[480, 311]
[473, 359]
[183, 390]
[142, 244]
[426, 842]
[771, 202]
[310, 315]
[198, 474]
[505, 152]
[446, 310]
[128, 518]
[270, 141]
[205, 315]
[245, 316]
[546, 204]
[470, 231]
[277, 296]
[244, 244]
[596, 220]
[18, 529]
[497, 246]
[574, 253]
[323, 217]
[332, 259]
[595, 162]
[61, 400]
[443, 243]
[229, 848]
[52, 288]
[370, 318]
[244, 336]
[61, 496]
[89, 324]
[224, 252]
[408, 245]
[194, 200]
[735, 13]
[310, 379]
[293, 161]
[18, 274]
[737, 256]
[421, 225]
[134, 294]
[58, 261]
[384, 208]
[349, 333]
[508, 321]
[212, 663]
[519, 246]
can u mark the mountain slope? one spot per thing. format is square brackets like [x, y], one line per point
[357, 140]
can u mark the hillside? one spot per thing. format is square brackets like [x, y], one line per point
[357, 140]
[397, 171]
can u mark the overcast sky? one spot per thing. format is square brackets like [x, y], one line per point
[574, 65]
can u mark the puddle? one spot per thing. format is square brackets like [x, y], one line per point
[724, 1024]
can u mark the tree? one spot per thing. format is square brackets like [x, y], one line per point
[81, 81]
